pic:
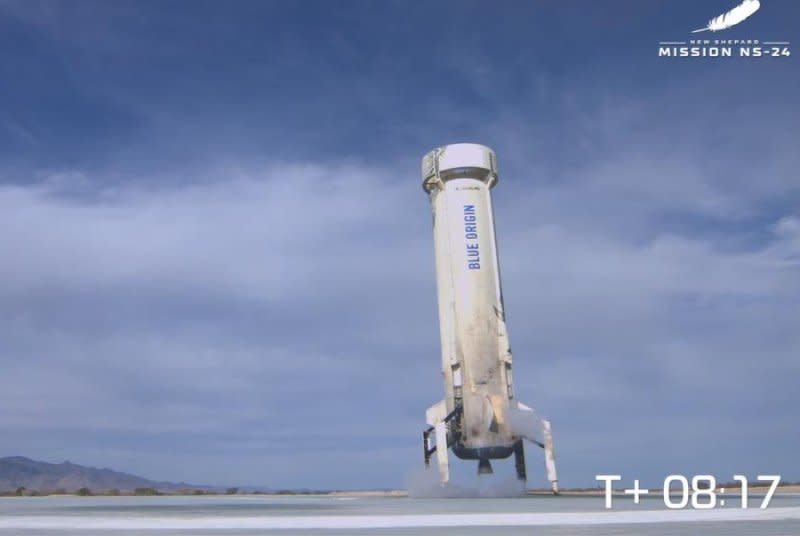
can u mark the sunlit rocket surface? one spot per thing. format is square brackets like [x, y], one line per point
[479, 418]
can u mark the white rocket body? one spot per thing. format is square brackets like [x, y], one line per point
[475, 418]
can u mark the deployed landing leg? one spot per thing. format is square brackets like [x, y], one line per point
[538, 430]
[519, 461]
[550, 457]
[439, 426]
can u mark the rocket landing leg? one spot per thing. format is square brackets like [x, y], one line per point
[550, 457]
[538, 431]
[519, 461]
[439, 421]
[441, 452]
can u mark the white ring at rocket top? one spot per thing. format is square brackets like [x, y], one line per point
[476, 160]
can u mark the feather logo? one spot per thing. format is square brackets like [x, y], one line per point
[732, 17]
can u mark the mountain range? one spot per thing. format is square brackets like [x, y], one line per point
[20, 472]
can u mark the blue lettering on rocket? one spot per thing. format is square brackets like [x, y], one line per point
[471, 234]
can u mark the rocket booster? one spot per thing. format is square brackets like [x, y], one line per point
[479, 419]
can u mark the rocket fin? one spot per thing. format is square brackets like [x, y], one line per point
[528, 424]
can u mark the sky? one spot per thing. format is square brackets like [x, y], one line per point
[216, 257]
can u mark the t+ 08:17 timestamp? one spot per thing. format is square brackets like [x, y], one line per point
[701, 492]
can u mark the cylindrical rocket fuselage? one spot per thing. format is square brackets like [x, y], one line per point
[476, 359]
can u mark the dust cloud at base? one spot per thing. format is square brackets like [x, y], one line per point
[425, 484]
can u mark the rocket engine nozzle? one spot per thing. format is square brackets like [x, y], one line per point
[485, 467]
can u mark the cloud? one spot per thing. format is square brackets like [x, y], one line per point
[275, 301]
[288, 314]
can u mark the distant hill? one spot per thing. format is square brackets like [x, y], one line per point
[18, 471]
